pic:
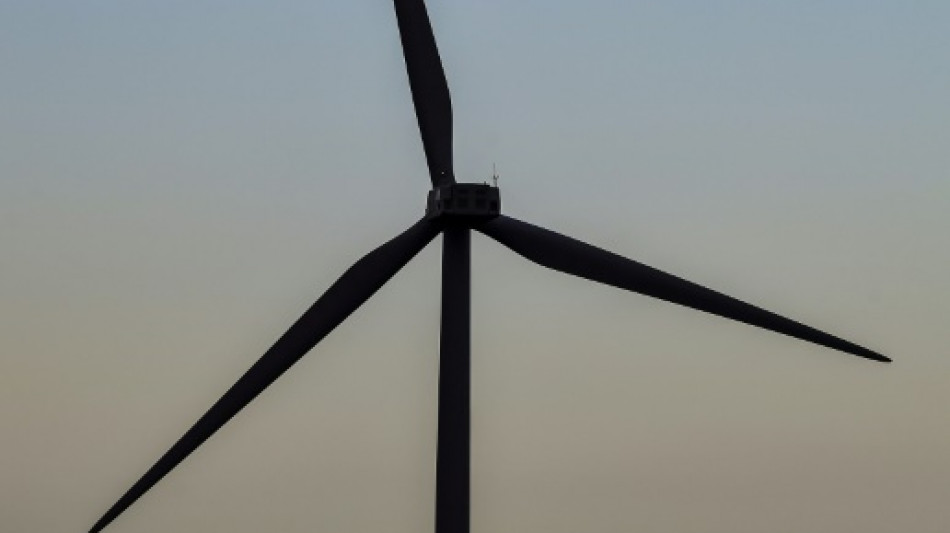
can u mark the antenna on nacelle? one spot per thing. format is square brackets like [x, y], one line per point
[494, 175]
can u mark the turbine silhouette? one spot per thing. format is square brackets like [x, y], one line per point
[453, 209]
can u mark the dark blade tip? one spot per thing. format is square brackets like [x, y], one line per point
[102, 523]
[868, 354]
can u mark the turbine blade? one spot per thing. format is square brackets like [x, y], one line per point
[430, 92]
[353, 288]
[572, 256]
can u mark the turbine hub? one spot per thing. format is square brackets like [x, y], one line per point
[464, 200]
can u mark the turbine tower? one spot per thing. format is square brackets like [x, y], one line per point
[453, 209]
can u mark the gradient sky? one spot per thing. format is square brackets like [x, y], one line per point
[180, 180]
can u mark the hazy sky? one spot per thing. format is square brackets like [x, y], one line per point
[180, 180]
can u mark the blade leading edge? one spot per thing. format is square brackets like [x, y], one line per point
[430, 92]
[572, 256]
[353, 288]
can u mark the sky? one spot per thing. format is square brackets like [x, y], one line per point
[180, 180]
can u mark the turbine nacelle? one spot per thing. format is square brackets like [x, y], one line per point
[464, 200]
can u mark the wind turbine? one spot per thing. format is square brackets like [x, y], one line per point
[453, 209]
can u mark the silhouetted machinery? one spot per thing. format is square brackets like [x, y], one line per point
[464, 200]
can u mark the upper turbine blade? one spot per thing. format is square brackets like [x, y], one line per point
[572, 256]
[430, 92]
[353, 288]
